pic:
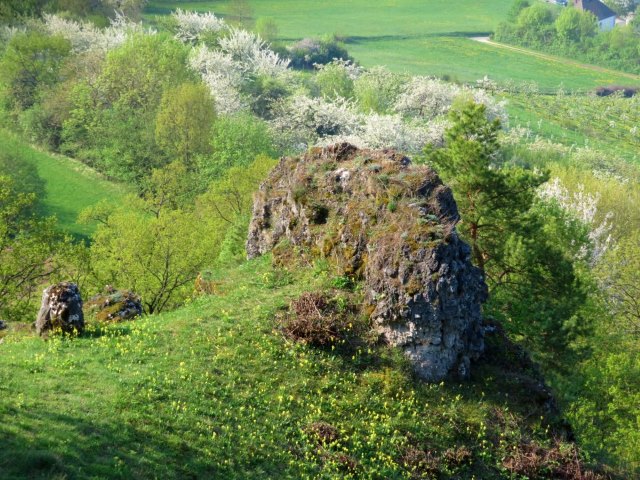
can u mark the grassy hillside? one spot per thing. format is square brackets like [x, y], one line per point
[68, 186]
[417, 36]
[211, 391]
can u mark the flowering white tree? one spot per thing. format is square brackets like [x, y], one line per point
[391, 131]
[241, 57]
[252, 54]
[301, 121]
[86, 36]
[222, 75]
[427, 97]
[584, 207]
[194, 27]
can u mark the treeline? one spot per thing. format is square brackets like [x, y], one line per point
[99, 11]
[571, 33]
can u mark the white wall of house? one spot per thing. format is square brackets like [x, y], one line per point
[607, 24]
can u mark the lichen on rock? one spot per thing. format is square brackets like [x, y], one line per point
[390, 225]
[61, 309]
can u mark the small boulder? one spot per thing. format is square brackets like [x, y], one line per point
[61, 308]
[115, 305]
[3, 325]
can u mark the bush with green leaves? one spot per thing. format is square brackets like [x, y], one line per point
[184, 122]
[154, 246]
[236, 142]
[27, 248]
[336, 79]
[30, 64]
[112, 122]
[308, 52]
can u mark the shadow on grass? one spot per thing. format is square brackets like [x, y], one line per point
[359, 39]
[61, 446]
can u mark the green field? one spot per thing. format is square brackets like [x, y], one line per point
[361, 18]
[212, 391]
[466, 60]
[69, 186]
[608, 124]
[418, 36]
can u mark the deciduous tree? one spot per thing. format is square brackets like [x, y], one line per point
[184, 122]
[31, 62]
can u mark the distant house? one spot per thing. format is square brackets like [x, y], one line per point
[605, 16]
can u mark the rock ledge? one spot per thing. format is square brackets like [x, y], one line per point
[383, 221]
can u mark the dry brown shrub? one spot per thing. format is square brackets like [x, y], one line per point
[324, 433]
[458, 456]
[420, 463]
[560, 461]
[316, 320]
[346, 463]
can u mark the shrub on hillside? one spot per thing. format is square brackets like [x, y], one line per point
[311, 51]
[315, 319]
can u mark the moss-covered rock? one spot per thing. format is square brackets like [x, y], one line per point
[115, 305]
[390, 225]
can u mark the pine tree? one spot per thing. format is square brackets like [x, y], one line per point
[518, 241]
[491, 200]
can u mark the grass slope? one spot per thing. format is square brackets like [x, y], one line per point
[609, 124]
[421, 37]
[69, 186]
[210, 391]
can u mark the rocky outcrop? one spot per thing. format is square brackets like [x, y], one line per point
[115, 305]
[391, 225]
[61, 309]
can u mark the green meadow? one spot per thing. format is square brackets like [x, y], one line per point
[422, 37]
[68, 185]
[213, 391]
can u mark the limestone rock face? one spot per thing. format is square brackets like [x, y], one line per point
[439, 323]
[115, 305]
[61, 308]
[391, 225]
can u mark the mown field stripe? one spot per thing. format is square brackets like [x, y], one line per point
[553, 58]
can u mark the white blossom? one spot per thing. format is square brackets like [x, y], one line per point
[392, 131]
[193, 26]
[584, 207]
[85, 36]
[429, 98]
[8, 32]
[242, 55]
[301, 120]
[222, 75]
[352, 70]
[252, 54]
[426, 97]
